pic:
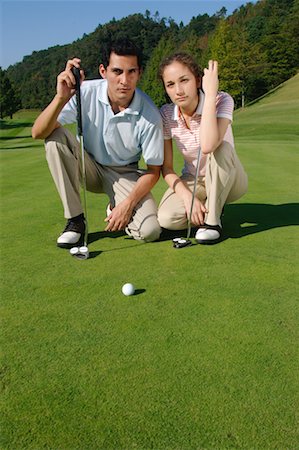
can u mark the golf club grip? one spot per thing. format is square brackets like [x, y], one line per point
[76, 73]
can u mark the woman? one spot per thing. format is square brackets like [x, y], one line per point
[199, 118]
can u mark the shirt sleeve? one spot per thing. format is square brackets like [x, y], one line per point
[165, 119]
[224, 106]
[153, 144]
[69, 112]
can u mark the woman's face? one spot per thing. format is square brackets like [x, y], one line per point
[181, 85]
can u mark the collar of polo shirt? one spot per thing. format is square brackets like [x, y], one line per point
[176, 112]
[133, 108]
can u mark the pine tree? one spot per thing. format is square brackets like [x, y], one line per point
[281, 44]
[239, 61]
[9, 103]
[150, 82]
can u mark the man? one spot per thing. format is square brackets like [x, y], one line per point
[120, 124]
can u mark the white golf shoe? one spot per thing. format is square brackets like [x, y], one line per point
[208, 234]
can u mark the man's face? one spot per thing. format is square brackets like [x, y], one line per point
[122, 75]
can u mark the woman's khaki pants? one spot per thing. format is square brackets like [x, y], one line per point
[63, 156]
[225, 181]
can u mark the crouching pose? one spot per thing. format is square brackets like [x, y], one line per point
[199, 121]
[120, 124]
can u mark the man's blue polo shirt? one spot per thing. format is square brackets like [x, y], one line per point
[117, 139]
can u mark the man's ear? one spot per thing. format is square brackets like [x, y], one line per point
[102, 70]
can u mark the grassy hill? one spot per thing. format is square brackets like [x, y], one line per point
[204, 356]
[277, 115]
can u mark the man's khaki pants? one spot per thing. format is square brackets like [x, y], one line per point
[63, 154]
[225, 181]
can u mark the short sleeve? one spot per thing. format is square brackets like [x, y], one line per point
[224, 106]
[153, 145]
[68, 113]
[166, 114]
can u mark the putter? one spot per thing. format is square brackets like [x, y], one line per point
[185, 242]
[82, 251]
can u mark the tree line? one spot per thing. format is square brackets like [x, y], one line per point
[257, 48]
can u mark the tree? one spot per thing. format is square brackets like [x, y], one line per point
[36, 75]
[239, 61]
[191, 46]
[257, 48]
[221, 14]
[9, 102]
[280, 43]
[150, 82]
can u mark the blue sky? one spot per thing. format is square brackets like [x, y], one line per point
[28, 26]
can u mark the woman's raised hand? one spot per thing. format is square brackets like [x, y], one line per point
[210, 82]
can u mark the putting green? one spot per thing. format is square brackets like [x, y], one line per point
[204, 355]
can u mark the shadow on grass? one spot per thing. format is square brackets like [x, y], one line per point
[21, 146]
[241, 220]
[139, 291]
[98, 235]
[9, 138]
[94, 254]
[8, 126]
[93, 237]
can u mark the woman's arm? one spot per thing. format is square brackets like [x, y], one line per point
[212, 129]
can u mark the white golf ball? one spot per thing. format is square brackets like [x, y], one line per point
[128, 289]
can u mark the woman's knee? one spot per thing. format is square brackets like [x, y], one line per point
[164, 219]
[171, 221]
[224, 155]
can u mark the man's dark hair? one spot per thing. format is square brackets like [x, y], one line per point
[121, 47]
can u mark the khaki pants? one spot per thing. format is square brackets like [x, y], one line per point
[63, 156]
[225, 182]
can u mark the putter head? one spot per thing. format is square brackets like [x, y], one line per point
[181, 242]
[80, 252]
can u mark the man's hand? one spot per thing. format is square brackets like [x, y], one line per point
[66, 82]
[121, 214]
[119, 217]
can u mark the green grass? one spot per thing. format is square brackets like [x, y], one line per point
[204, 356]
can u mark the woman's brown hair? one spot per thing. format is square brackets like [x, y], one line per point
[182, 58]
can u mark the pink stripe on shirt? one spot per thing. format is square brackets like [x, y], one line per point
[188, 140]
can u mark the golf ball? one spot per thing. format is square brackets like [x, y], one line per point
[128, 289]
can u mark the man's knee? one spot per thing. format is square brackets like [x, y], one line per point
[58, 135]
[61, 139]
[148, 231]
[151, 232]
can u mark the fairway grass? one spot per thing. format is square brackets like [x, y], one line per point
[204, 356]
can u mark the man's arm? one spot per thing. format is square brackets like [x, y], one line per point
[65, 89]
[47, 120]
[122, 213]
